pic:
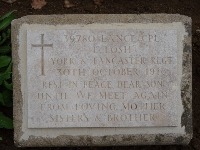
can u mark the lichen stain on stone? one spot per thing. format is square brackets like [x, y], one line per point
[178, 140]
[186, 61]
[186, 89]
[187, 48]
[186, 118]
[188, 28]
[158, 139]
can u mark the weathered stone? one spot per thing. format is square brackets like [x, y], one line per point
[128, 75]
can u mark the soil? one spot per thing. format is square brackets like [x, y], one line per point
[185, 7]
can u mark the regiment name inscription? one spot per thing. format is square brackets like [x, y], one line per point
[93, 77]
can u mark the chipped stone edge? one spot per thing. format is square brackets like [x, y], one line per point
[144, 139]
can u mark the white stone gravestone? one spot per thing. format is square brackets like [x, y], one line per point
[102, 80]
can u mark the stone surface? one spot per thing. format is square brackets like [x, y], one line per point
[94, 77]
[128, 75]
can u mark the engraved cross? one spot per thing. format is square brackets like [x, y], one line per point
[42, 45]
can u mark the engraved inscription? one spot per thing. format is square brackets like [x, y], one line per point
[42, 45]
[102, 77]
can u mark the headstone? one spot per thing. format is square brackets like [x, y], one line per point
[84, 80]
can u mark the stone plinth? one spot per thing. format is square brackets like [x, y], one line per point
[102, 80]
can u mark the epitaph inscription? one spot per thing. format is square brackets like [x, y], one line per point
[102, 78]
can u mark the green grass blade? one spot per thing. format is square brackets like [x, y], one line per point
[7, 15]
[6, 22]
[4, 61]
[5, 122]
[9, 86]
[5, 49]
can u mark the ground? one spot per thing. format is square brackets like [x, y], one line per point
[190, 8]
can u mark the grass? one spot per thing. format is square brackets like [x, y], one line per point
[5, 69]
